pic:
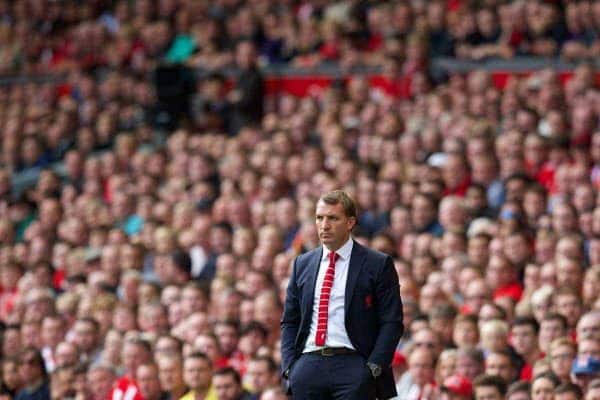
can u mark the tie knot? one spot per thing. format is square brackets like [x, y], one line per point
[333, 257]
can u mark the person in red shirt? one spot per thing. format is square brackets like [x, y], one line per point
[135, 353]
[523, 338]
[501, 277]
[455, 173]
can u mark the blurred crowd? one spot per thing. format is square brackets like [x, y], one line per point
[151, 270]
[55, 36]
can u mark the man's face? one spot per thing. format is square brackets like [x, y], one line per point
[561, 358]
[226, 387]
[498, 273]
[593, 394]
[499, 365]
[29, 368]
[84, 335]
[66, 354]
[100, 382]
[258, 375]
[487, 393]
[148, 382]
[589, 325]
[52, 331]
[132, 356]
[170, 373]
[333, 225]
[451, 396]
[568, 306]
[589, 348]
[550, 330]
[423, 212]
[524, 339]
[196, 373]
[524, 395]
[421, 367]
[566, 396]
[468, 367]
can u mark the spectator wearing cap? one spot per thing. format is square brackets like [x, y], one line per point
[456, 387]
[584, 370]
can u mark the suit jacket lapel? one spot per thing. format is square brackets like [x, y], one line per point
[357, 259]
[313, 271]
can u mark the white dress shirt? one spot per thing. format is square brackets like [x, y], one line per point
[336, 328]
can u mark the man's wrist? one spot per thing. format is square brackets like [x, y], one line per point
[375, 369]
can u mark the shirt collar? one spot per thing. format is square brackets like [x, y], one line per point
[344, 251]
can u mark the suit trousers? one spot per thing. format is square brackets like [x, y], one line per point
[339, 377]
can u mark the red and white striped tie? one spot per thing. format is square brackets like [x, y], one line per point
[324, 300]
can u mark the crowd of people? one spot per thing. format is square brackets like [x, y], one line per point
[150, 270]
[43, 36]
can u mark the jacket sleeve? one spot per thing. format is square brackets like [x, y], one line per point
[389, 315]
[290, 322]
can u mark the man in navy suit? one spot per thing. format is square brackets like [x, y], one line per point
[343, 314]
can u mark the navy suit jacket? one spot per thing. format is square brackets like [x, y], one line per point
[373, 310]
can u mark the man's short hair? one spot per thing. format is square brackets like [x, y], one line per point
[182, 261]
[444, 311]
[594, 384]
[569, 387]
[519, 386]
[231, 372]
[552, 316]
[340, 197]
[198, 355]
[472, 353]
[255, 326]
[271, 364]
[491, 380]
[526, 321]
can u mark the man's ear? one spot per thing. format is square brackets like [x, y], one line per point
[352, 223]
